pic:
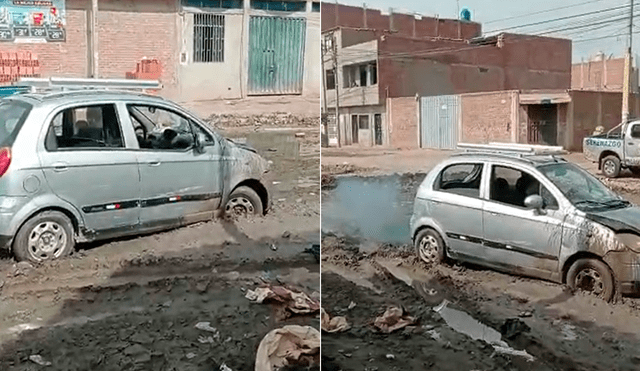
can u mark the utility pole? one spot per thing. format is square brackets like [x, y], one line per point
[459, 32]
[324, 76]
[334, 47]
[626, 92]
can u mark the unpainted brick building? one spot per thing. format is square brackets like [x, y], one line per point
[199, 50]
[384, 58]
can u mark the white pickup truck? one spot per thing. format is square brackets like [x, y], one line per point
[617, 149]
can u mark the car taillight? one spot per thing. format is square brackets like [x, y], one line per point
[5, 160]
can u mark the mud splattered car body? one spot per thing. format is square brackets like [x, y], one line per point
[80, 166]
[531, 215]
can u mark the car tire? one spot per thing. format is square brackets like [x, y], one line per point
[593, 276]
[46, 236]
[611, 166]
[430, 247]
[244, 201]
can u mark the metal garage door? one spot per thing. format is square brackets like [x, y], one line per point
[439, 121]
[276, 55]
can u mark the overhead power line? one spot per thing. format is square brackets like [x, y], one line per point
[541, 12]
[571, 17]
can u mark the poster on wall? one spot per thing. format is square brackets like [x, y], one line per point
[32, 21]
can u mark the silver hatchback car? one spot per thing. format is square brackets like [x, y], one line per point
[78, 166]
[532, 215]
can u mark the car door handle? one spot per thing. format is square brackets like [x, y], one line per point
[493, 214]
[60, 167]
[154, 163]
[630, 143]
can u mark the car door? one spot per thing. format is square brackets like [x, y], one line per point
[632, 145]
[86, 162]
[457, 206]
[517, 237]
[179, 184]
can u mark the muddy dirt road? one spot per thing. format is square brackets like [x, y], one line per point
[134, 303]
[368, 266]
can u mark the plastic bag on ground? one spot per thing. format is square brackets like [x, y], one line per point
[287, 346]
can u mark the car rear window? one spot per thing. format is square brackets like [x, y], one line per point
[12, 115]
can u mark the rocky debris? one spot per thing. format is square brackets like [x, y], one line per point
[37, 359]
[512, 327]
[281, 119]
[335, 324]
[287, 346]
[296, 302]
[394, 318]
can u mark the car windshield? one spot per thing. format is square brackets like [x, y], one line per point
[12, 116]
[582, 189]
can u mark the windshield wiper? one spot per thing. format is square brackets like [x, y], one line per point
[616, 202]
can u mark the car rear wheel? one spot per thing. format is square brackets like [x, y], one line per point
[592, 276]
[611, 166]
[244, 201]
[430, 247]
[46, 236]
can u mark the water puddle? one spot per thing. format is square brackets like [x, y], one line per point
[375, 208]
[465, 324]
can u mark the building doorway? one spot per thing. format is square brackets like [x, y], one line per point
[354, 129]
[542, 124]
[377, 127]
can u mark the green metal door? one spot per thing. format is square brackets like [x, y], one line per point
[276, 55]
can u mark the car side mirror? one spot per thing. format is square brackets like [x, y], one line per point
[198, 141]
[534, 202]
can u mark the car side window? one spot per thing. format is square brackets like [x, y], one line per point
[161, 129]
[635, 131]
[462, 179]
[512, 186]
[94, 126]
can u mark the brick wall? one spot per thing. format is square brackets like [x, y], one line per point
[606, 74]
[403, 24]
[443, 67]
[403, 125]
[487, 117]
[130, 31]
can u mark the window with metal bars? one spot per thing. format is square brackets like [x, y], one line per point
[208, 38]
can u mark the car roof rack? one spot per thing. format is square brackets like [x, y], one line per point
[513, 149]
[62, 84]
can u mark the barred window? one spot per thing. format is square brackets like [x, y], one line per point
[208, 38]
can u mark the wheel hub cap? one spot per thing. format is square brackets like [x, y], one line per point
[239, 206]
[46, 241]
[609, 167]
[428, 249]
[590, 280]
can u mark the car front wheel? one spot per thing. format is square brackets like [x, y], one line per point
[430, 246]
[592, 276]
[46, 236]
[244, 201]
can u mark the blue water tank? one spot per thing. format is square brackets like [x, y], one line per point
[465, 14]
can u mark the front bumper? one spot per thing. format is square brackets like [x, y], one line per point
[626, 270]
[5, 242]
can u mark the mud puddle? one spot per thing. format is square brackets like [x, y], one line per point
[373, 208]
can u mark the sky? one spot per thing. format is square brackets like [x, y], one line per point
[606, 21]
